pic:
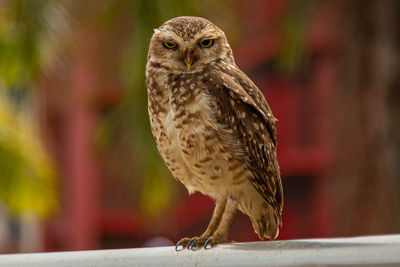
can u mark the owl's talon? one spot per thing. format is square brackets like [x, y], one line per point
[183, 243]
[209, 240]
[192, 243]
[179, 245]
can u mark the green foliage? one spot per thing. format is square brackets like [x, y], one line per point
[21, 25]
[27, 177]
[293, 53]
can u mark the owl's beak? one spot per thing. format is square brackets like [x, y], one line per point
[188, 59]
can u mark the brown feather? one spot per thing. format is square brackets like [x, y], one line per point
[260, 156]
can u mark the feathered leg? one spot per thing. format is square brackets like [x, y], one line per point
[221, 233]
[196, 242]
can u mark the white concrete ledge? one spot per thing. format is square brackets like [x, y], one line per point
[357, 251]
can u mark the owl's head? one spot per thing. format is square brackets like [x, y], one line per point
[188, 44]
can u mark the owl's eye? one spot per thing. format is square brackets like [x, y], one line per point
[169, 45]
[207, 43]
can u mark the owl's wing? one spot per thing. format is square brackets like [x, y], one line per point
[246, 112]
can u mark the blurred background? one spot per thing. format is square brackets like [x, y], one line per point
[79, 168]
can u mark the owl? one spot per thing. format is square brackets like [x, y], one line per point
[213, 128]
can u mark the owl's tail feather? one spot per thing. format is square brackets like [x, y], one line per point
[266, 225]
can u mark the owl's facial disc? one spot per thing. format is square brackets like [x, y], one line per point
[181, 48]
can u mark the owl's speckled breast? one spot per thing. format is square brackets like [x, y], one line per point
[188, 139]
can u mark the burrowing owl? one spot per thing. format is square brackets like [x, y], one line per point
[213, 127]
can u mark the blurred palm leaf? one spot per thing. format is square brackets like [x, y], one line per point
[27, 174]
[27, 178]
[293, 53]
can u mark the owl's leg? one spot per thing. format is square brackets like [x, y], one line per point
[221, 233]
[196, 242]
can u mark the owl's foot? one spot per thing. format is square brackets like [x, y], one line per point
[196, 243]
